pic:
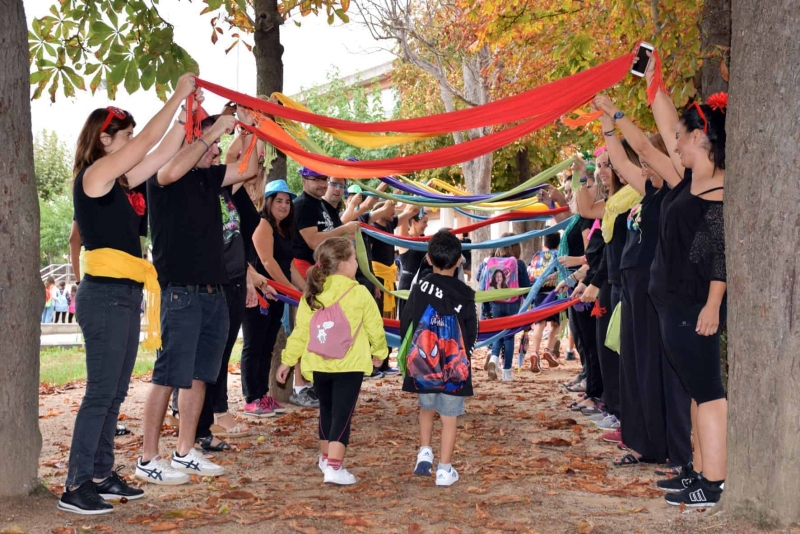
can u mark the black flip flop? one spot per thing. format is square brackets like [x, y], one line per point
[629, 459]
[205, 444]
[122, 430]
[668, 470]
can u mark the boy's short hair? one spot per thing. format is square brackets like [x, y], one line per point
[444, 250]
[552, 241]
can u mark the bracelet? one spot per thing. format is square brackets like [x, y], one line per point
[182, 123]
[203, 141]
[610, 133]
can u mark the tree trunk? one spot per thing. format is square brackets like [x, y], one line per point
[762, 217]
[529, 247]
[21, 291]
[715, 29]
[268, 52]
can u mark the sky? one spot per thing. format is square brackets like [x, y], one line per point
[310, 53]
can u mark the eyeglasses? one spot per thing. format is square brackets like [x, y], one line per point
[702, 115]
[120, 114]
[335, 185]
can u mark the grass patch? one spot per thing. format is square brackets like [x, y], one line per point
[59, 366]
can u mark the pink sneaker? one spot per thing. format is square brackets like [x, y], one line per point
[258, 408]
[613, 437]
[272, 404]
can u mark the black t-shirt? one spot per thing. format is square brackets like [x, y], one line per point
[107, 222]
[381, 252]
[312, 212]
[186, 225]
[615, 247]
[282, 253]
[575, 237]
[466, 253]
[233, 255]
[691, 247]
[411, 260]
[249, 217]
[595, 257]
[640, 245]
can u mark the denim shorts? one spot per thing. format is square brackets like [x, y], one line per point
[445, 405]
[194, 330]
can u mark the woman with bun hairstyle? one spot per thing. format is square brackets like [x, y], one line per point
[109, 162]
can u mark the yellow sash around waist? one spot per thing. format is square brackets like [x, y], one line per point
[113, 263]
[389, 275]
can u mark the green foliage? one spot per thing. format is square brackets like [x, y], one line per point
[52, 161]
[126, 43]
[54, 227]
[334, 99]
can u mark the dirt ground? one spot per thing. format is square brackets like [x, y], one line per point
[527, 464]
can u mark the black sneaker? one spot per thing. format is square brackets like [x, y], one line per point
[115, 487]
[84, 500]
[701, 494]
[686, 479]
[375, 375]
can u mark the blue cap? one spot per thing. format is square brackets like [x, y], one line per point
[278, 186]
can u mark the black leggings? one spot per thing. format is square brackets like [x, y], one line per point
[260, 333]
[338, 395]
[609, 360]
[695, 358]
[583, 327]
[61, 317]
[216, 399]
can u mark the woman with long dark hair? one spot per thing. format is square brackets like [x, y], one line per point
[109, 162]
[411, 260]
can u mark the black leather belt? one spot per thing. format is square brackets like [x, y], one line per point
[196, 288]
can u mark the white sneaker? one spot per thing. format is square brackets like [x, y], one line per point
[508, 376]
[446, 478]
[159, 471]
[340, 476]
[195, 463]
[424, 462]
[322, 464]
[491, 367]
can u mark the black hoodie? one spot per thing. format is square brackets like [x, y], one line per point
[456, 299]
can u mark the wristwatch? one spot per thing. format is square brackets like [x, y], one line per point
[617, 116]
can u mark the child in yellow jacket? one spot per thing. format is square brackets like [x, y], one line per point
[338, 338]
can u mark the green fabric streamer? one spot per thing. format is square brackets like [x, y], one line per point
[614, 327]
[402, 352]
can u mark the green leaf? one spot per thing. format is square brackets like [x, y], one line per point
[95, 83]
[53, 89]
[148, 77]
[101, 28]
[214, 4]
[117, 73]
[40, 75]
[112, 16]
[69, 89]
[75, 78]
[132, 77]
[90, 68]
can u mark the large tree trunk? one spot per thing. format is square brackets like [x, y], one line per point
[762, 216]
[268, 52]
[529, 247]
[715, 29]
[21, 290]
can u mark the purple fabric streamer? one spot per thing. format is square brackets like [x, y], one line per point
[402, 186]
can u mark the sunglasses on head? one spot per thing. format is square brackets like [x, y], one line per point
[120, 114]
[702, 115]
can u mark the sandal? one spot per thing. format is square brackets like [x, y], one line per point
[239, 430]
[629, 459]
[122, 430]
[206, 444]
[668, 470]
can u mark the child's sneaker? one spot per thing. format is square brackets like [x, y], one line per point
[701, 494]
[159, 471]
[491, 367]
[446, 478]
[536, 364]
[550, 358]
[424, 462]
[508, 376]
[258, 408]
[341, 476]
[194, 463]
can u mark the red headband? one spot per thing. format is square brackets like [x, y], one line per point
[702, 115]
[113, 112]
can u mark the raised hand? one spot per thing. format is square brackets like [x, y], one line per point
[186, 85]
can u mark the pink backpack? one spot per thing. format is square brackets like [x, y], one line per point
[329, 332]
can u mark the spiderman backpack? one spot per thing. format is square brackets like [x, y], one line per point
[437, 360]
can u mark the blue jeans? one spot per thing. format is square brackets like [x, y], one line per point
[108, 315]
[504, 309]
[47, 315]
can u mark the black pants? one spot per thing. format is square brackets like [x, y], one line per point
[696, 358]
[61, 317]
[655, 407]
[71, 316]
[583, 327]
[260, 333]
[338, 395]
[216, 400]
[609, 360]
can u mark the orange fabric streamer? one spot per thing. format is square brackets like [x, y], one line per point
[244, 162]
[193, 119]
[582, 120]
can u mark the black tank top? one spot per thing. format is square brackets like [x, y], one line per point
[282, 252]
[108, 221]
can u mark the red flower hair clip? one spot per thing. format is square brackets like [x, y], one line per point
[137, 202]
[718, 102]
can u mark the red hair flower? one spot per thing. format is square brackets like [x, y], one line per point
[718, 102]
[137, 202]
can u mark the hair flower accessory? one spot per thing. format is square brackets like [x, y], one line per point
[718, 102]
[137, 202]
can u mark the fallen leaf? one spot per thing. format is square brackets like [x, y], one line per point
[357, 522]
[163, 527]
[57, 530]
[414, 528]
[237, 495]
[16, 529]
[554, 442]
[453, 530]
[585, 526]
[305, 530]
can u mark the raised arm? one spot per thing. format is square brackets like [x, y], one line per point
[666, 119]
[190, 154]
[232, 174]
[234, 149]
[100, 176]
[314, 237]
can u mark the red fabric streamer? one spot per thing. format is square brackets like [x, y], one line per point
[474, 226]
[658, 80]
[598, 311]
[559, 97]
[194, 119]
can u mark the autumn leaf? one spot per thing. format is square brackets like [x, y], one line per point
[414, 528]
[357, 522]
[554, 442]
[723, 70]
[163, 527]
[585, 526]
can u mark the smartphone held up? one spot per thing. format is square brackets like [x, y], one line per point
[642, 59]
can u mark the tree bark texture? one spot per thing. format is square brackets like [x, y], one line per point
[715, 29]
[529, 247]
[268, 52]
[762, 224]
[21, 290]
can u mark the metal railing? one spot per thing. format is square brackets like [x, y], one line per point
[59, 271]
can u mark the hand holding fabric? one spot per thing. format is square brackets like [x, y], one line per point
[590, 295]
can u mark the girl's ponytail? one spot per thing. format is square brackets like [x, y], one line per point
[328, 255]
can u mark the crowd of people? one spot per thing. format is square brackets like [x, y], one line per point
[59, 302]
[643, 250]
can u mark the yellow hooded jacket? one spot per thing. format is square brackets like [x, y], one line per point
[358, 305]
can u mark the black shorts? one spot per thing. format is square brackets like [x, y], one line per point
[538, 299]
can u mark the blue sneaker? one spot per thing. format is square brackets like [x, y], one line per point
[391, 371]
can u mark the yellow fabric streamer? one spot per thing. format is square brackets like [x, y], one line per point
[113, 263]
[622, 201]
[359, 139]
[388, 273]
